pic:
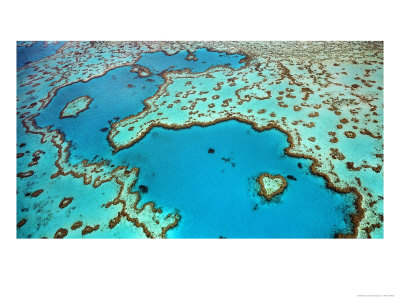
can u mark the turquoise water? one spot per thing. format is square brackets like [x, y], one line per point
[36, 52]
[116, 95]
[216, 193]
[158, 62]
[108, 106]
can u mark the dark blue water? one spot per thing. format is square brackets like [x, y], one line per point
[216, 192]
[113, 99]
[159, 61]
[116, 95]
[36, 52]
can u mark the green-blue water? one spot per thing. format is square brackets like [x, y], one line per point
[118, 94]
[217, 197]
[215, 193]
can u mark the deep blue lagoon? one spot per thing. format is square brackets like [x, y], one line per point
[118, 94]
[216, 193]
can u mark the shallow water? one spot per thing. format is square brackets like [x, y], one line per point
[158, 62]
[112, 98]
[216, 193]
[118, 94]
[35, 52]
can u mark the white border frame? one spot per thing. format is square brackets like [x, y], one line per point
[199, 269]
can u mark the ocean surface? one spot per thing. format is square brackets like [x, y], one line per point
[118, 94]
[35, 52]
[207, 174]
[216, 193]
